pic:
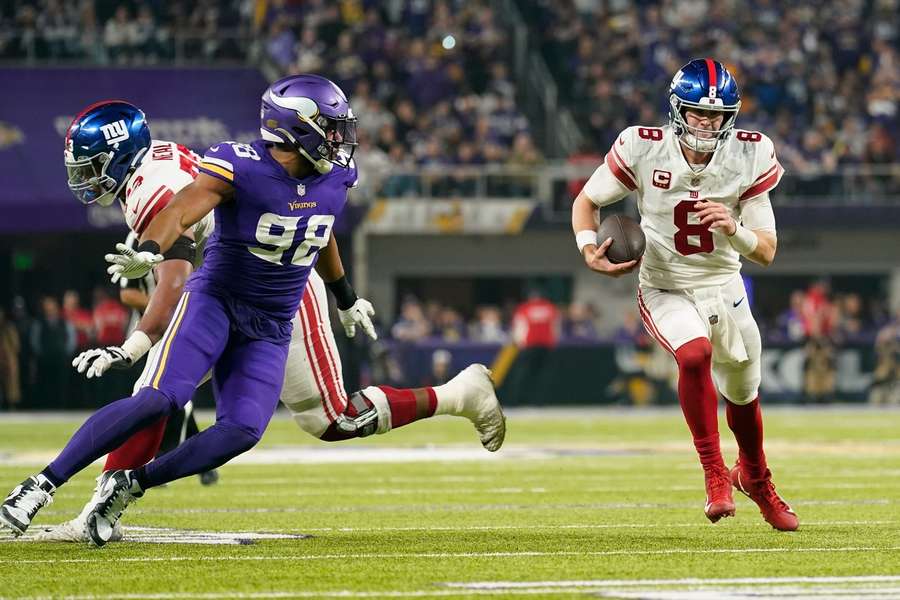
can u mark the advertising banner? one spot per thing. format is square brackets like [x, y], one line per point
[194, 107]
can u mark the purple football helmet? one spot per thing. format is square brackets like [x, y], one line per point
[312, 114]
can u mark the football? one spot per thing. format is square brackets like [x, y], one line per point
[628, 238]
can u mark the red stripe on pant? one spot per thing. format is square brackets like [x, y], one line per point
[311, 359]
[333, 370]
[139, 449]
[335, 393]
[651, 326]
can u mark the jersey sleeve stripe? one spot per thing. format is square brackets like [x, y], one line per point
[622, 163]
[160, 204]
[766, 174]
[763, 186]
[216, 171]
[148, 206]
[618, 171]
[219, 163]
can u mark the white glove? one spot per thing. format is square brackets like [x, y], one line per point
[98, 361]
[130, 263]
[359, 314]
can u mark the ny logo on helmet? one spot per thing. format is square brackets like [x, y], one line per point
[115, 132]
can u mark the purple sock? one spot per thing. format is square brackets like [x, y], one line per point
[106, 430]
[207, 450]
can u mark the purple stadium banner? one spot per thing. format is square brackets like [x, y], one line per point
[194, 107]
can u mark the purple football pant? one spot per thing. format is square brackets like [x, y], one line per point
[247, 377]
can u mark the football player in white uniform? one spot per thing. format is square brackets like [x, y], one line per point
[144, 175]
[703, 195]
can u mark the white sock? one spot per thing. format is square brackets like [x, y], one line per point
[450, 398]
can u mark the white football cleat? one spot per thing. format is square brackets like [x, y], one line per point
[24, 502]
[76, 529]
[118, 489]
[480, 405]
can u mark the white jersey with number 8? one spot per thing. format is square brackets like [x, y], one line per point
[681, 253]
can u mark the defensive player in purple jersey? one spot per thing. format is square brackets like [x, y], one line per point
[235, 314]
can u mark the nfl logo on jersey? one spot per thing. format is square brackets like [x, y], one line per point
[301, 189]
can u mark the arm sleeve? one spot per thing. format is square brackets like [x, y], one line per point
[218, 162]
[756, 214]
[184, 248]
[766, 171]
[603, 188]
[615, 178]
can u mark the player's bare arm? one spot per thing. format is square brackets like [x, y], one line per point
[170, 278]
[329, 266]
[717, 216]
[189, 205]
[352, 310]
[187, 208]
[134, 299]
[583, 210]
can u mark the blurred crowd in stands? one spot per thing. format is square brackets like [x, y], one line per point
[36, 351]
[821, 78]
[138, 32]
[431, 78]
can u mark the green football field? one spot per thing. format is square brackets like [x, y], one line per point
[601, 503]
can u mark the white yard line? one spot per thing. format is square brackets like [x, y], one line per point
[691, 588]
[449, 555]
[693, 581]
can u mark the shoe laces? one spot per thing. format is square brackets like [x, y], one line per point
[32, 498]
[718, 482]
[767, 489]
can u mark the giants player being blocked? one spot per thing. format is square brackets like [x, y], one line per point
[703, 195]
[314, 389]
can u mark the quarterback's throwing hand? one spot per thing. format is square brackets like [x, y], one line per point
[595, 257]
[716, 216]
[359, 314]
[130, 264]
[98, 361]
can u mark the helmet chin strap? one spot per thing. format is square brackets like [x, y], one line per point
[322, 165]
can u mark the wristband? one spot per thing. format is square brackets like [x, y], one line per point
[744, 240]
[137, 345]
[343, 292]
[584, 238]
[149, 246]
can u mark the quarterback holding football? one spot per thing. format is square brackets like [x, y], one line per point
[703, 194]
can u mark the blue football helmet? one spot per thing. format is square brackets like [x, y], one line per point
[104, 145]
[311, 114]
[704, 84]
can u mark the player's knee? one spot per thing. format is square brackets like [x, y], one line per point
[155, 401]
[242, 437]
[695, 354]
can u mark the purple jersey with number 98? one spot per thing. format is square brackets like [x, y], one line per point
[268, 235]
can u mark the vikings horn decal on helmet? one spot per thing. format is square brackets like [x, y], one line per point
[104, 145]
[313, 115]
[704, 84]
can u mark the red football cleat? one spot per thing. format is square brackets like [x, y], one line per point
[774, 509]
[719, 501]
